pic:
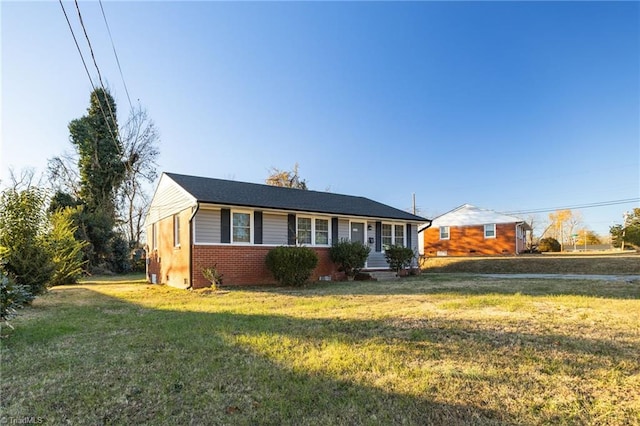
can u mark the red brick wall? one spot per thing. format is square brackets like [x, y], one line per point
[246, 264]
[470, 241]
[170, 264]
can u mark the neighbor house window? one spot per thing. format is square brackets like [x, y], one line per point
[490, 230]
[313, 231]
[241, 227]
[304, 230]
[322, 231]
[176, 230]
[444, 232]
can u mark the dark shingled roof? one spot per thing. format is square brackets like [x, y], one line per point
[227, 192]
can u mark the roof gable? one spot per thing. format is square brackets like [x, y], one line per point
[469, 215]
[234, 193]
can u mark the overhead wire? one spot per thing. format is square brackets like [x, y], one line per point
[126, 90]
[578, 206]
[104, 90]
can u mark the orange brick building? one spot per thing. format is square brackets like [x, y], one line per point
[471, 231]
[196, 222]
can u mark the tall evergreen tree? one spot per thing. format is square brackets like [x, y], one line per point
[102, 170]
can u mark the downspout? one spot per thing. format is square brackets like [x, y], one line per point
[191, 244]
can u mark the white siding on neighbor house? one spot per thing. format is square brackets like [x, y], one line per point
[274, 229]
[207, 227]
[168, 199]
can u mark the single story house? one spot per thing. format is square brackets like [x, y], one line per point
[472, 231]
[196, 222]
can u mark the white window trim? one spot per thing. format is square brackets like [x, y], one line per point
[250, 213]
[393, 233]
[313, 229]
[448, 232]
[176, 230]
[494, 230]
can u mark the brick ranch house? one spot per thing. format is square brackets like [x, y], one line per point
[472, 231]
[195, 222]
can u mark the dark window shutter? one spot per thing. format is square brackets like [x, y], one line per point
[291, 228]
[225, 226]
[257, 227]
[409, 236]
[334, 230]
[378, 237]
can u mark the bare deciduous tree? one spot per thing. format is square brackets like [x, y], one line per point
[286, 178]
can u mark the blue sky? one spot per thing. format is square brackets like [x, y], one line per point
[509, 106]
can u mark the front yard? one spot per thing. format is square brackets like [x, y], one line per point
[435, 349]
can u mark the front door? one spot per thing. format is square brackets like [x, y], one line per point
[357, 232]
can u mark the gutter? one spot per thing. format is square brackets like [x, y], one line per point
[191, 244]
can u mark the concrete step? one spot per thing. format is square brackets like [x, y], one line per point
[383, 275]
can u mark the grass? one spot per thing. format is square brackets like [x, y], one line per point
[550, 263]
[436, 349]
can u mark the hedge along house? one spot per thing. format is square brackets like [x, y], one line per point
[195, 222]
[472, 231]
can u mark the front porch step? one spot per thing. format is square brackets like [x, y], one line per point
[383, 275]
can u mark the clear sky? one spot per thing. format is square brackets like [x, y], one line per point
[509, 106]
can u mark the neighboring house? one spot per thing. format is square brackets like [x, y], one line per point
[471, 231]
[195, 222]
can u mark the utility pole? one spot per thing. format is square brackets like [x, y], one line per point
[414, 203]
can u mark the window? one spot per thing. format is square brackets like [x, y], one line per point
[392, 235]
[399, 235]
[387, 235]
[313, 231]
[490, 230]
[444, 232]
[154, 236]
[322, 231]
[241, 227]
[304, 230]
[176, 230]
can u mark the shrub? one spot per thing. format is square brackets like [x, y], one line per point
[549, 244]
[291, 265]
[67, 252]
[398, 257]
[350, 256]
[23, 227]
[212, 275]
[13, 296]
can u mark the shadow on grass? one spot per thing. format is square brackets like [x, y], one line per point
[123, 362]
[462, 284]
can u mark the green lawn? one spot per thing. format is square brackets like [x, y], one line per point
[435, 349]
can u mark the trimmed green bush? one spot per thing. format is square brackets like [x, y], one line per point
[350, 256]
[549, 244]
[398, 257]
[292, 265]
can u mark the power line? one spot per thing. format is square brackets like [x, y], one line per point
[578, 206]
[126, 90]
[104, 90]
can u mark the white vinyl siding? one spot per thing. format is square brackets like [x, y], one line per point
[168, 199]
[274, 229]
[207, 227]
